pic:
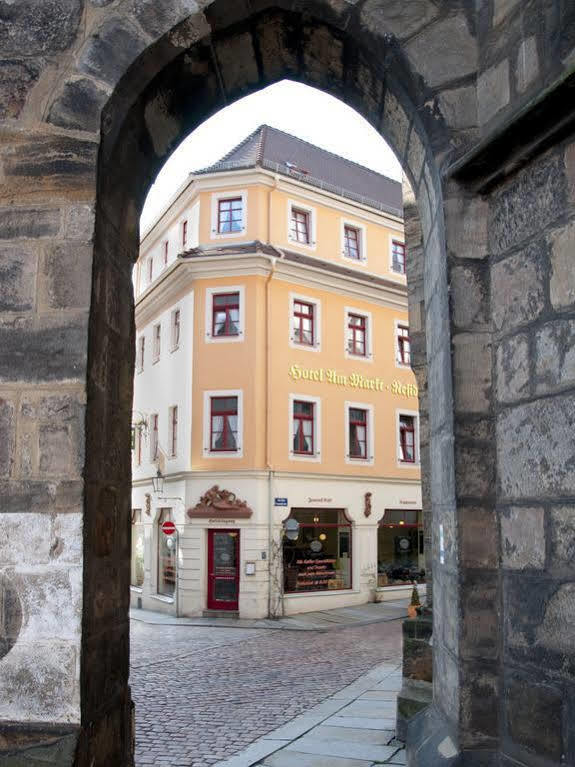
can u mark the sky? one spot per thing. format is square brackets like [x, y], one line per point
[305, 112]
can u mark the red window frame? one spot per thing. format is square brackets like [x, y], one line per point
[154, 442]
[227, 445]
[184, 233]
[403, 345]
[227, 307]
[225, 215]
[300, 312]
[166, 246]
[357, 420]
[298, 434]
[357, 334]
[352, 242]
[407, 437]
[398, 256]
[300, 226]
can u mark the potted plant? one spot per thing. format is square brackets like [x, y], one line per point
[414, 603]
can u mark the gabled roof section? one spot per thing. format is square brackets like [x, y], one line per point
[290, 156]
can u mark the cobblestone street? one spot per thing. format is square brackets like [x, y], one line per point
[204, 693]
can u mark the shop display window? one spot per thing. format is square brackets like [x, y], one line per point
[166, 556]
[321, 557]
[400, 555]
[137, 562]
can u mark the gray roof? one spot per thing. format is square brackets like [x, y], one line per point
[283, 153]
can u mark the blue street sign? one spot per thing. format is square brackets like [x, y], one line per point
[280, 501]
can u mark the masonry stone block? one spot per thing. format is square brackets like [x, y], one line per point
[562, 533]
[18, 265]
[48, 27]
[527, 66]
[79, 221]
[237, 60]
[7, 436]
[569, 164]
[474, 472]
[502, 8]
[479, 714]
[466, 227]
[399, 18]
[518, 288]
[479, 537]
[17, 78]
[513, 374]
[475, 429]
[445, 51]
[534, 715]
[395, 123]
[109, 52]
[158, 18]
[527, 203]
[79, 106]
[415, 155]
[459, 107]
[446, 682]
[480, 624]
[535, 449]
[33, 495]
[55, 450]
[369, 92]
[562, 284]
[67, 269]
[472, 365]
[29, 223]
[555, 356]
[11, 606]
[554, 633]
[31, 549]
[492, 91]
[523, 537]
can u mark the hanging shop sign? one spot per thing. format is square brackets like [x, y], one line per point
[351, 381]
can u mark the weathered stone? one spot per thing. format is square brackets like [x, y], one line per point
[472, 365]
[466, 225]
[18, 267]
[158, 18]
[480, 630]
[29, 223]
[54, 450]
[513, 375]
[10, 605]
[397, 17]
[238, 61]
[444, 51]
[67, 271]
[562, 526]
[459, 107]
[79, 106]
[469, 296]
[7, 430]
[570, 170]
[562, 284]
[527, 67]
[555, 356]
[479, 537]
[395, 123]
[79, 222]
[554, 632]
[502, 8]
[474, 472]
[38, 28]
[323, 56]
[518, 289]
[492, 91]
[111, 49]
[17, 77]
[523, 538]
[527, 204]
[479, 698]
[31, 549]
[536, 450]
[527, 703]
[415, 155]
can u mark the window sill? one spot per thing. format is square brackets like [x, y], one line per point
[136, 589]
[327, 592]
[175, 348]
[161, 598]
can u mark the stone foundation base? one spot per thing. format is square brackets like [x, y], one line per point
[38, 745]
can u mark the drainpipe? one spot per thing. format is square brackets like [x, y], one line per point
[272, 260]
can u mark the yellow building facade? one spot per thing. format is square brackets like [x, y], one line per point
[273, 391]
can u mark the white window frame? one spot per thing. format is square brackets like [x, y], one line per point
[151, 456]
[210, 293]
[398, 238]
[156, 352]
[396, 325]
[362, 241]
[370, 443]
[369, 330]
[173, 345]
[171, 409]
[312, 212]
[224, 195]
[403, 464]
[206, 448]
[138, 444]
[165, 252]
[316, 456]
[140, 353]
[293, 297]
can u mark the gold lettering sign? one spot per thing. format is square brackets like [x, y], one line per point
[351, 381]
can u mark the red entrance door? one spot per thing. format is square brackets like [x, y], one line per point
[223, 569]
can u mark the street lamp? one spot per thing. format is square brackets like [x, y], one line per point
[158, 482]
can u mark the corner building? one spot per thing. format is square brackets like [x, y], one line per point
[273, 390]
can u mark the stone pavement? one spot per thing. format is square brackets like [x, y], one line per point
[204, 694]
[352, 728]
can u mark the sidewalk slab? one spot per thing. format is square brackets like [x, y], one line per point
[351, 750]
[295, 759]
[363, 723]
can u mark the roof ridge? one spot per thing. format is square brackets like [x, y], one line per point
[235, 148]
[261, 145]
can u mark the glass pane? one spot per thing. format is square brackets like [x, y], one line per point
[224, 404]
[305, 408]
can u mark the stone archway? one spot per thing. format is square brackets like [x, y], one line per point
[97, 93]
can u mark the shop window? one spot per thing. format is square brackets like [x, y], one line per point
[400, 555]
[357, 335]
[157, 341]
[137, 561]
[230, 215]
[403, 345]
[320, 559]
[173, 421]
[357, 433]
[141, 351]
[225, 314]
[303, 427]
[154, 442]
[224, 424]
[166, 556]
[175, 329]
[407, 439]
[352, 242]
[398, 256]
[303, 323]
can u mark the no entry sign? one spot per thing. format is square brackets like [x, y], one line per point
[168, 528]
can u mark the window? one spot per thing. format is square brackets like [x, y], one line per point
[357, 335]
[320, 559]
[223, 424]
[137, 563]
[166, 556]
[407, 439]
[175, 329]
[303, 323]
[154, 444]
[184, 234]
[303, 427]
[225, 314]
[300, 226]
[398, 256]
[140, 356]
[352, 242]
[150, 269]
[230, 215]
[403, 345]
[400, 549]
[173, 421]
[166, 246]
[357, 433]
[138, 444]
[157, 342]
